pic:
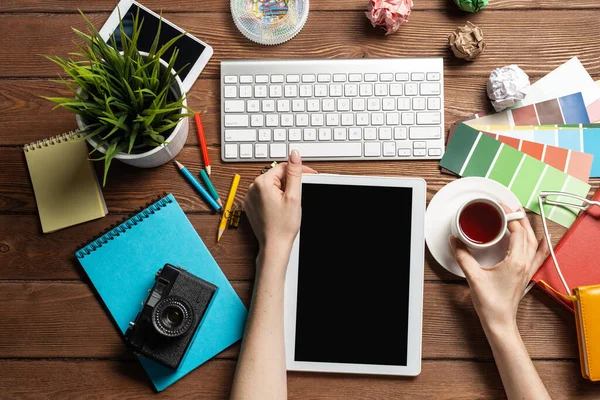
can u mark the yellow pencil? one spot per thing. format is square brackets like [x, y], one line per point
[228, 204]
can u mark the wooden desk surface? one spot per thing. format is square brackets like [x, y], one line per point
[55, 339]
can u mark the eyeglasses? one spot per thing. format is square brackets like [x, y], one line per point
[581, 203]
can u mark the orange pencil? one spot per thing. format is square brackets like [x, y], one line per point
[202, 139]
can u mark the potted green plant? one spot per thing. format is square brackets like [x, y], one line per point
[129, 105]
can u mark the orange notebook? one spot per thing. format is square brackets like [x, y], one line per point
[578, 255]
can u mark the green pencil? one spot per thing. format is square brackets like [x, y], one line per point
[210, 187]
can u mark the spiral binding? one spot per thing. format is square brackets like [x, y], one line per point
[51, 141]
[122, 226]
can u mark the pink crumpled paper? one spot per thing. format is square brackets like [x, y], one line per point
[389, 14]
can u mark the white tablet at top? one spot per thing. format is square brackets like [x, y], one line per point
[354, 283]
[192, 51]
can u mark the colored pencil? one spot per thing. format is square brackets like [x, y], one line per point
[207, 197]
[228, 204]
[202, 139]
[210, 187]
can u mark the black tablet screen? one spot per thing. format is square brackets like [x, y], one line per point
[353, 274]
[189, 49]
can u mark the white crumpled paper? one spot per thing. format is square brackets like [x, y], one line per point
[505, 87]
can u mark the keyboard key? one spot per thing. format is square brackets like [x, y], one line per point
[268, 105]
[339, 77]
[358, 104]
[339, 134]
[433, 76]
[309, 78]
[253, 105]
[287, 119]
[417, 76]
[246, 150]
[230, 92]
[373, 104]
[328, 105]
[264, 135]
[279, 135]
[400, 133]
[386, 77]
[230, 79]
[350, 89]
[272, 120]
[419, 145]
[348, 149]
[411, 89]
[313, 105]
[260, 91]
[430, 89]
[283, 105]
[275, 91]
[355, 134]
[403, 103]
[325, 134]
[291, 90]
[434, 103]
[301, 119]
[246, 79]
[408, 118]
[401, 76]
[343, 104]
[355, 77]
[362, 119]
[388, 104]
[419, 152]
[320, 90]
[366, 89]
[370, 133]
[332, 119]
[377, 118]
[316, 119]
[261, 78]
[336, 90]
[381, 89]
[372, 149]
[370, 77]
[298, 105]
[245, 91]
[425, 132]
[435, 152]
[324, 78]
[347, 119]
[429, 118]
[403, 152]
[260, 150]
[292, 78]
[240, 135]
[389, 149]
[231, 151]
[385, 134]
[237, 120]
[257, 120]
[310, 134]
[395, 89]
[392, 118]
[295, 135]
[278, 150]
[418, 103]
[276, 78]
[234, 106]
[306, 91]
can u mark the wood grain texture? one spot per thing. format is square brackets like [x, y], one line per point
[71, 6]
[525, 38]
[21, 99]
[456, 380]
[56, 320]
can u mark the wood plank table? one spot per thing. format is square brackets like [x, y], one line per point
[55, 339]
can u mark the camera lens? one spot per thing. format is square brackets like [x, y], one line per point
[172, 317]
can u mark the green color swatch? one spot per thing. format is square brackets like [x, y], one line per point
[482, 157]
[459, 149]
[506, 163]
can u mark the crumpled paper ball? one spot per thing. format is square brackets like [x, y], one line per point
[389, 14]
[506, 85]
[471, 5]
[466, 42]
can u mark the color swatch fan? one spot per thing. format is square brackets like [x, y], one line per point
[269, 22]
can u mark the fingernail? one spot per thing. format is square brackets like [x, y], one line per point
[452, 241]
[295, 157]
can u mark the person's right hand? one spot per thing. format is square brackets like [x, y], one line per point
[497, 291]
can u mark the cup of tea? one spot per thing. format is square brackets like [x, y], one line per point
[481, 223]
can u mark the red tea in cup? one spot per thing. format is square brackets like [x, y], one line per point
[480, 222]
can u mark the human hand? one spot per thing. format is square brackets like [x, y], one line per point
[273, 204]
[497, 291]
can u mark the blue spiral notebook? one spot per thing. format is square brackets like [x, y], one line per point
[122, 263]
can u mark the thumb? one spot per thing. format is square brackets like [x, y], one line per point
[293, 175]
[467, 263]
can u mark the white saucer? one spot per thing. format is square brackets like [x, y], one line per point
[443, 207]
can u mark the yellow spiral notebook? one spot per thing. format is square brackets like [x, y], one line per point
[67, 191]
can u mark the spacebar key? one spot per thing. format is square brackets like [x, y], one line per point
[328, 149]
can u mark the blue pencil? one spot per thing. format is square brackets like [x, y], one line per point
[207, 197]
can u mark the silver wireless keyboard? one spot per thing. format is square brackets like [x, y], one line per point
[354, 109]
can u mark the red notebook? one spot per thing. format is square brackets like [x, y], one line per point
[578, 255]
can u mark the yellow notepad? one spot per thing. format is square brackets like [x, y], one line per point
[66, 189]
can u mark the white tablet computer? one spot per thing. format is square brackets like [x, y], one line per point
[354, 283]
[192, 51]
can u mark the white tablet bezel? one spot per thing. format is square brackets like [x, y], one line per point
[417, 257]
[112, 23]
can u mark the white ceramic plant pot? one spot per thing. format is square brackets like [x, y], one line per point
[158, 155]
